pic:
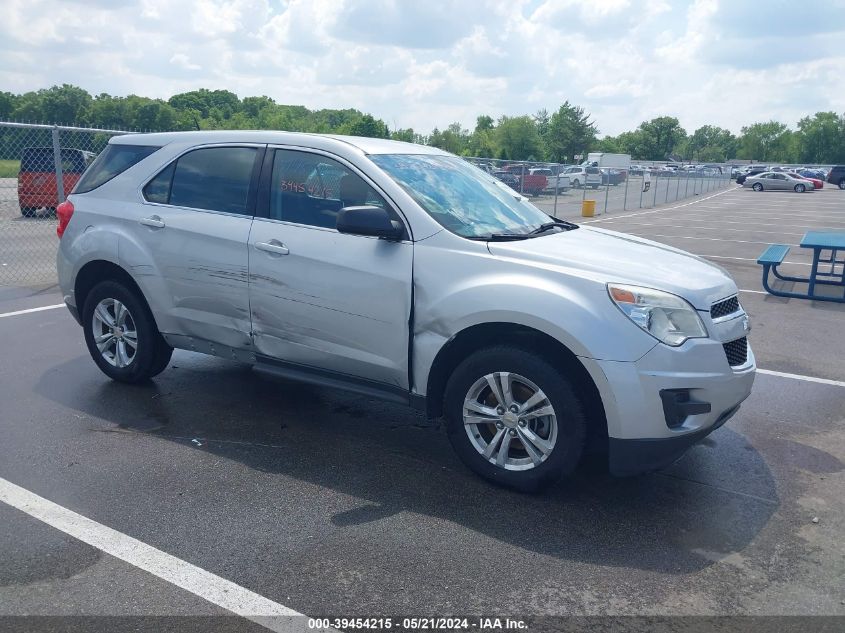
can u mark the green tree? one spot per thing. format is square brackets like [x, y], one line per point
[609, 144]
[453, 139]
[659, 137]
[204, 100]
[764, 141]
[407, 135]
[570, 132]
[821, 138]
[710, 143]
[484, 123]
[367, 126]
[7, 105]
[517, 138]
[59, 104]
[251, 106]
[542, 120]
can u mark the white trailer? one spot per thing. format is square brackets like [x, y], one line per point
[605, 159]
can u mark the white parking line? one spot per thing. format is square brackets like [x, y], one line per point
[199, 582]
[748, 259]
[822, 381]
[631, 215]
[710, 228]
[709, 239]
[41, 309]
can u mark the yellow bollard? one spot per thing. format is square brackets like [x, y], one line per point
[588, 208]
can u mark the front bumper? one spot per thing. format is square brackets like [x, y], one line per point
[641, 435]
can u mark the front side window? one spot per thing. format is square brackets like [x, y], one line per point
[311, 189]
[112, 161]
[213, 178]
[460, 197]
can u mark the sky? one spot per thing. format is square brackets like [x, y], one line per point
[427, 63]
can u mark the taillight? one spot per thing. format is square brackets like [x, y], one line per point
[64, 212]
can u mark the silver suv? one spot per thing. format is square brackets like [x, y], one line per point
[403, 272]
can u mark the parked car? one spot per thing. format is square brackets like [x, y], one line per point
[636, 170]
[837, 176]
[809, 172]
[580, 176]
[753, 171]
[613, 176]
[555, 183]
[426, 283]
[37, 184]
[817, 183]
[527, 183]
[511, 180]
[777, 181]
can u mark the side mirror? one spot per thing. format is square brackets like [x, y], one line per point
[369, 220]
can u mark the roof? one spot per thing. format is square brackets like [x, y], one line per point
[364, 144]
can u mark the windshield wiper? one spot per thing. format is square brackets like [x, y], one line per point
[548, 226]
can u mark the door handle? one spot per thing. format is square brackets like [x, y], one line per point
[273, 246]
[153, 221]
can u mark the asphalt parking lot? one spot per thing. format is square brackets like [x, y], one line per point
[332, 504]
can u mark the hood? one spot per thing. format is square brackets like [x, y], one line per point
[608, 256]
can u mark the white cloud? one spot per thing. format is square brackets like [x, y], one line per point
[184, 62]
[430, 63]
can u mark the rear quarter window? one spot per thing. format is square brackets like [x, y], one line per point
[113, 160]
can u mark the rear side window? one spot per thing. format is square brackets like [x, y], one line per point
[113, 160]
[215, 178]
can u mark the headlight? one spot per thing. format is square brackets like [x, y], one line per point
[667, 317]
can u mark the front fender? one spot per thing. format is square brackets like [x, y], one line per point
[575, 311]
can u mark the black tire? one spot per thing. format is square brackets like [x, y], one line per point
[595, 186]
[152, 353]
[800, 188]
[576, 184]
[28, 212]
[571, 422]
[842, 183]
[757, 187]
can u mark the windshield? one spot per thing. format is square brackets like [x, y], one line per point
[460, 197]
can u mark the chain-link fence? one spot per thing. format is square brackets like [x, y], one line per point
[560, 189]
[39, 165]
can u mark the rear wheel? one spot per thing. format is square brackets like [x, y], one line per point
[576, 183]
[757, 187]
[513, 418]
[28, 212]
[121, 334]
[799, 188]
[842, 183]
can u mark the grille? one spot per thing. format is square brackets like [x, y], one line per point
[737, 351]
[723, 308]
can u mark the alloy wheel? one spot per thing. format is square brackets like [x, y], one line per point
[510, 421]
[115, 334]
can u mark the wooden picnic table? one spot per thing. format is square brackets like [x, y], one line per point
[828, 268]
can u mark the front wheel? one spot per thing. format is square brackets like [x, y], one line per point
[842, 183]
[799, 188]
[576, 183]
[757, 187]
[513, 418]
[121, 334]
